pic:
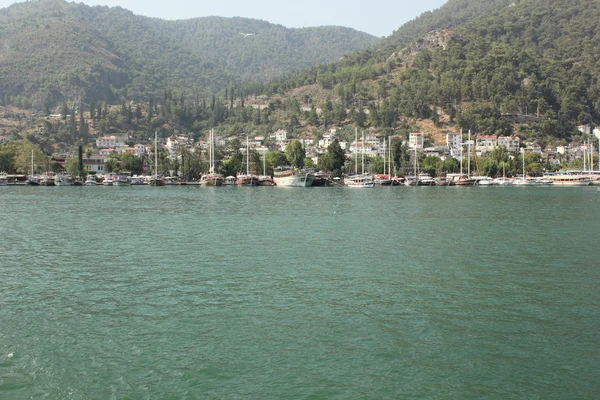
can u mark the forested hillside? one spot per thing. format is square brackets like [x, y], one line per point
[530, 68]
[529, 57]
[54, 51]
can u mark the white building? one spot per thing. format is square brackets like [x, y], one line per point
[585, 129]
[416, 140]
[308, 141]
[111, 142]
[280, 135]
[486, 144]
[512, 143]
[596, 132]
[453, 140]
[534, 148]
[94, 164]
[327, 139]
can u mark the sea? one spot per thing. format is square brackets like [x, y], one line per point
[299, 293]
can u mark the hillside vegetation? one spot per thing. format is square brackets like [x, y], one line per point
[54, 51]
[532, 57]
[527, 67]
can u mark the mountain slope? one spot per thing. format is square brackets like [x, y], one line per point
[52, 51]
[531, 57]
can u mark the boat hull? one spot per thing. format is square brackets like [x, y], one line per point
[301, 180]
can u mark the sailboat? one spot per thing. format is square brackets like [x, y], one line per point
[211, 179]
[363, 180]
[264, 179]
[156, 181]
[247, 180]
[33, 179]
[523, 180]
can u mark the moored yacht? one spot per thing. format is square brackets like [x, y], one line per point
[293, 178]
[123, 180]
[63, 180]
[211, 180]
[90, 180]
[360, 181]
[570, 180]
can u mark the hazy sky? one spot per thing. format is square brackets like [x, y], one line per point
[377, 17]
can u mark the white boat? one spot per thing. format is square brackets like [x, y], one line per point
[485, 182]
[108, 181]
[90, 180]
[211, 179]
[123, 180]
[62, 180]
[360, 181]
[523, 182]
[503, 181]
[570, 180]
[229, 180]
[291, 178]
[3, 179]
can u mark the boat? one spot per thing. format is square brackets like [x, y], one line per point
[360, 181]
[264, 180]
[523, 181]
[108, 181]
[33, 180]
[502, 181]
[425, 180]
[363, 180]
[570, 180]
[211, 179]
[123, 180]
[322, 179]
[155, 180]
[3, 179]
[47, 180]
[63, 180]
[383, 180]
[246, 180]
[293, 178]
[484, 181]
[229, 180]
[90, 180]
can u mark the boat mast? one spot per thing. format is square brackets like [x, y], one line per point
[523, 165]
[390, 153]
[469, 156]
[415, 164]
[384, 154]
[31, 162]
[356, 151]
[247, 159]
[210, 144]
[584, 155]
[156, 155]
[363, 152]
[461, 153]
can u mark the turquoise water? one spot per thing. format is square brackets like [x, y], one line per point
[320, 293]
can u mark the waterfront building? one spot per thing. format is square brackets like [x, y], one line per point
[512, 143]
[94, 164]
[416, 140]
[485, 144]
[453, 140]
